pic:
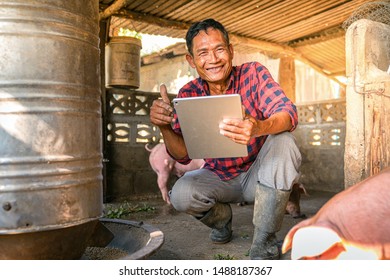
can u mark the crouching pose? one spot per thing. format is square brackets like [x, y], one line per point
[264, 177]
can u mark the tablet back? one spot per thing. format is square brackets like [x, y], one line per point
[199, 119]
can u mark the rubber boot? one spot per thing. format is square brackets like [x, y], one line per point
[269, 209]
[219, 218]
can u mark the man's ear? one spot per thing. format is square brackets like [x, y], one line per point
[190, 60]
[231, 50]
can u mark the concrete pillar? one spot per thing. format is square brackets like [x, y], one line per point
[367, 145]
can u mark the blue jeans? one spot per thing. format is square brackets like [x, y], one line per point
[276, 166]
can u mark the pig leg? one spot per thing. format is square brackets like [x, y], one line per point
[162, 164]
[162, 182]
[162, 179]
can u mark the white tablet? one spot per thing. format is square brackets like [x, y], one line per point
[199, 119]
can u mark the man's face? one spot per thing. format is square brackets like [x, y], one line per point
[212, 57]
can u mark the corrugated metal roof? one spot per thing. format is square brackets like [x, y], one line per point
[309, 29]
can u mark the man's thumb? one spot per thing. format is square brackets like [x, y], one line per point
[164, 94]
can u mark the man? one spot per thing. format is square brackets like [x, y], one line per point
[266, 175]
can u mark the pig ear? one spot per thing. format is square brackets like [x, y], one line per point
[316, 243]
[168, 163]
[303, 190]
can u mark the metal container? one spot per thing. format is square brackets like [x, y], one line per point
[50, 128]
[123, 62]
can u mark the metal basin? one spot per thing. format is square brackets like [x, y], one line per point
[132, 241]
[58, 244]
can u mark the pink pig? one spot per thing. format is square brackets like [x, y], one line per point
[180, 169]
[165, 166]
[354, 224]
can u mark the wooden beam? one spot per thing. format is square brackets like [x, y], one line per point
[263, 46]
[340, 73]
[164, 23]
[113, 8]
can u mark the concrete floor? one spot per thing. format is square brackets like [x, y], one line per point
[188, 239]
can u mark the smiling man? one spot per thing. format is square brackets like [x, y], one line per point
[265, 177]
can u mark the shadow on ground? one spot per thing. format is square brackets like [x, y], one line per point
[188, 239]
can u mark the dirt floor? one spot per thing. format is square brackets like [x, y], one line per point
[185, 238]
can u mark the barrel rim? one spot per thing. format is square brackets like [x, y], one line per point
[125, 40]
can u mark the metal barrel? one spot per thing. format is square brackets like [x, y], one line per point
[50, 128]
[123, 62]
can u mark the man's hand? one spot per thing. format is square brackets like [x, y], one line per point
[161, 112]
[240, 131]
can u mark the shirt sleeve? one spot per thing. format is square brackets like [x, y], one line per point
[272, 97]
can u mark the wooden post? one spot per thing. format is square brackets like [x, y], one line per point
[367, 145]
[287, 76]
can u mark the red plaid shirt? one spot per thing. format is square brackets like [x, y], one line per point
[261, 97]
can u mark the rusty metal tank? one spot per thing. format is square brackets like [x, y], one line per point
[50, 128]
[123, 62]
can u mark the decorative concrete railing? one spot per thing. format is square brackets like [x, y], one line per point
[320, 135]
